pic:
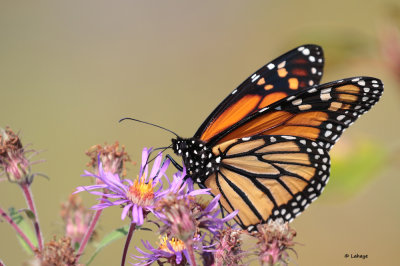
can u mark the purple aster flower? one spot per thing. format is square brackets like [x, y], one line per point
[187, 220]
[137, 197]
[172, 251]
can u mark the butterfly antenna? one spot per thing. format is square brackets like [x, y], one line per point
[161, 148]
[151, 124]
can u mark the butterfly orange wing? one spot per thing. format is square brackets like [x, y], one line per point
[294, 71]
[319, 113]
[269, 177]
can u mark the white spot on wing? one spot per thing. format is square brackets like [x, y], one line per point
[340, 117]
[297, 102]
[325, 96]
[290, 98]
[254, 77]
[288, 137]
[270, 66]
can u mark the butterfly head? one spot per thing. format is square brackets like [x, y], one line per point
[199, 159]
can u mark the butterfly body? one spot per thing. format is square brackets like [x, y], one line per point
[265, 147]
[198, 158]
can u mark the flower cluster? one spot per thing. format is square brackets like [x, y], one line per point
[189, 227]
[184, 220]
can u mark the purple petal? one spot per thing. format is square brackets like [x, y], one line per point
[125, 211]
[135, 215]
[156, 166]
[230, 216]
[145, 155]
[179, 257]
[130, 182]
[121, 201]
[212, 204]
[186, 253]
[199, 192]
[140, 215]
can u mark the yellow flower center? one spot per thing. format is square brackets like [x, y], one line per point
[141, 193]
[175, 243]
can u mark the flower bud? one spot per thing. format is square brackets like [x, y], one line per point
[12, 157]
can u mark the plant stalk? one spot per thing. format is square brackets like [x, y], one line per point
[31, 205]
[128, 240]
[89, 233]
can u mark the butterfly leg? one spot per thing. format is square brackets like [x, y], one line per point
[177, 165]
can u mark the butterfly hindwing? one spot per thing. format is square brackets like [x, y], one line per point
[294, 71]
[269, 177]
[320, 113]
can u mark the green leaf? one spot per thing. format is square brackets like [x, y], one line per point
[111, 237]
[28, 213]
[25, 227]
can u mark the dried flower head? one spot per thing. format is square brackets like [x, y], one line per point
[228, 249]
[274, 241]
[177, 215]
[76, 219]
[58, 253]
[112, 157]
[12, 158]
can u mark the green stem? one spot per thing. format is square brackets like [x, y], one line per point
[16, 228]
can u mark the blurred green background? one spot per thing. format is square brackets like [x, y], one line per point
[69, 70]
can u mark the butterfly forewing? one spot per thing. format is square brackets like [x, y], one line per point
[319, 113]
[294, 71]
[269, 177]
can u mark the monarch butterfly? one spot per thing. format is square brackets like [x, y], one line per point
[265, 147]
